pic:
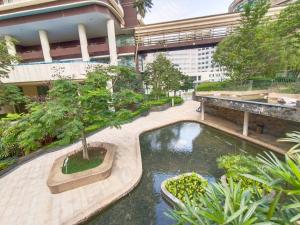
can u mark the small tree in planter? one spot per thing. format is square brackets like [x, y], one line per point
[73, 106]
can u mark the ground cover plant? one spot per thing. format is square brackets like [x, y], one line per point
[186, 185]
[74, 163]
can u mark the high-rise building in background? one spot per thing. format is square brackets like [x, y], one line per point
[197, 63]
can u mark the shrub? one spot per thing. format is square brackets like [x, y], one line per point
[221, 204]
[127, 99]
[237, 164]
[178, 100]
[6, 163]
[186, 185]
[12, 117]
[211, 86]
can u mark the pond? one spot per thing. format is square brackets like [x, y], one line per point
[166, 152]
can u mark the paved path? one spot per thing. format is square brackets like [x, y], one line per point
[26, 200]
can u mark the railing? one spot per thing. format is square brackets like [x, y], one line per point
[181, 37]
[41, 72]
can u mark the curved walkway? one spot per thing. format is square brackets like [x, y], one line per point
[26, 200]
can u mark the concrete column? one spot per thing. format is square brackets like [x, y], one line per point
[111, 35]
[11, 48]
[246, 123]
[202, 110]
[45, 45]
[83, 43]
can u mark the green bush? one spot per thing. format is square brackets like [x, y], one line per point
[127, 99]
[211, 86]
[186, 186]
[12, 117]
[6, 163]
[237, 164]
[178, 100]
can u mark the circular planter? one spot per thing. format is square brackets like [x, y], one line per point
[175, 202]
[59, 182]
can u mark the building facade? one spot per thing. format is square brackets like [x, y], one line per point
[238, 5]
[196, 62]
[68, 37]
[65, 37]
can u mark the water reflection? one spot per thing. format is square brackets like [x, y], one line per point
[169, 151]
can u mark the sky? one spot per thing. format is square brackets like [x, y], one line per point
[166, 10]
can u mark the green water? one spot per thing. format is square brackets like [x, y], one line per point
[166, 152]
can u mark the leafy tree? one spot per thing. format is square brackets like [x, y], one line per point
[11, 95]
[69, 109]
[285, 31]
[127, 99]
[5, 59]
[187, 83]
[163, 76]
[73, 106]
[261, 46]
[143, 6]
[126, 78]
[244, 53]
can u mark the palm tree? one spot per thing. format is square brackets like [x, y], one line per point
[143, 6]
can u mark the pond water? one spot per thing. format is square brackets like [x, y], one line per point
[166, 152]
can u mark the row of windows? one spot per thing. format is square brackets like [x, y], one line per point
[207, 48]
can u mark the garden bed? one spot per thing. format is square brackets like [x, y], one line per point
[76, 163]
[175, 189]
[58, 181]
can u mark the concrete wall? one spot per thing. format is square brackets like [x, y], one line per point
[272, 126]
[30, 91]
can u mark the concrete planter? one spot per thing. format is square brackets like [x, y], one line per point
[59, 182]
[175, 202]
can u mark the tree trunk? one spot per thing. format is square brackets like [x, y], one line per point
[84, 147]
[14, 108]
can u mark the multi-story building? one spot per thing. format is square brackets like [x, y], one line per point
[238, 5]
[65, 37]
[196, 62]
[207, 68]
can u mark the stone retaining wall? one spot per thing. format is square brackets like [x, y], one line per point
[273, 126]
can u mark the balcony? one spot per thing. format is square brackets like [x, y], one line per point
[43, 72]
[31, 56]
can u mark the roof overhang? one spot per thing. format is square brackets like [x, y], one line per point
[35, 7]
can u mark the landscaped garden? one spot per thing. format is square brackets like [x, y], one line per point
[219, 179]
[72, 110]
